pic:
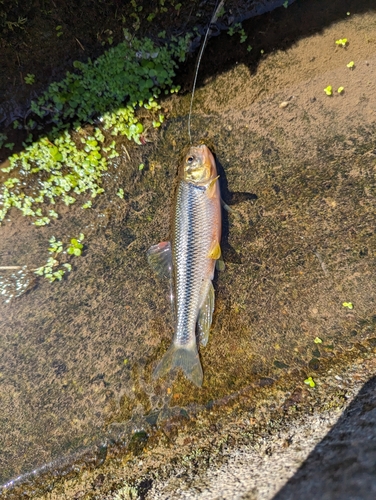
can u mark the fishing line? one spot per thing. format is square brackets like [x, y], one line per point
[213, 19]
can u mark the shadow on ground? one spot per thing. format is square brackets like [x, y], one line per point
[343, 464]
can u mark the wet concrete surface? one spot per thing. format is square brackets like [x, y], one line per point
[326, 454]
[303, 243]
[342, 465]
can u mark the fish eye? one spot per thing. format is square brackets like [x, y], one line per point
[190, 159]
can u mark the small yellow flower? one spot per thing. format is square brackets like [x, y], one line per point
[351, 64]
[342, 42]
[340, 90]
[328, 90]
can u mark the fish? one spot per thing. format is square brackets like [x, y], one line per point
[189, 261]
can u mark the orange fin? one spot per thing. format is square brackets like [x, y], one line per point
[215, 250]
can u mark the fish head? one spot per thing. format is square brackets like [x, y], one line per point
[199, 165]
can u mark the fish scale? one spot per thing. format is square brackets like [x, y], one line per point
[193, 222]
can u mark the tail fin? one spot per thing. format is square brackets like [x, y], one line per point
[186, 358]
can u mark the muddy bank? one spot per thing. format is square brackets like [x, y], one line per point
[303, 245]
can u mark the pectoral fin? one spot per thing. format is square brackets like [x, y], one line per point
[211, 187]
[160, 259]
[215, 250]
[205, 316]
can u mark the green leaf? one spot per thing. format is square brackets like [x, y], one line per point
[348, 305]
[309, 381]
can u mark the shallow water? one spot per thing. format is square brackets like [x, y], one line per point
[77, 356]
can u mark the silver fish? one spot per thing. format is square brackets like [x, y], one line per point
[189, 261]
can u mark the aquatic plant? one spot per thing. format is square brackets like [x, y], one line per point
[348, 305]
[342, 42]
[56, 246]
[309, 381]
[237, 28]
[63, 168]
[51, 270]
[29, 78]
[125, 78]
[133, 73]
[75, 246]
[20, 281]
[47, 270]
